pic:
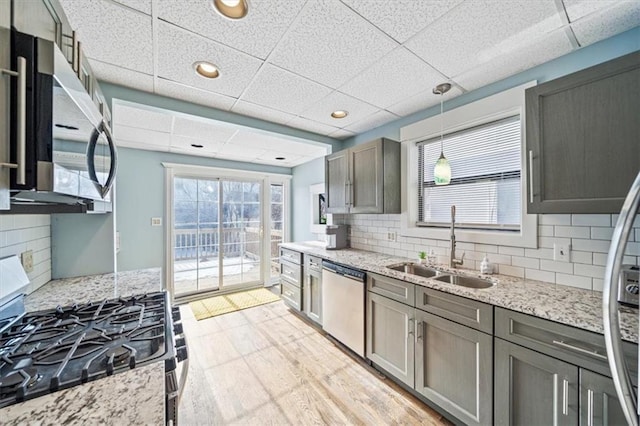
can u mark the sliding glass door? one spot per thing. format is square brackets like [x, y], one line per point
[217, 234]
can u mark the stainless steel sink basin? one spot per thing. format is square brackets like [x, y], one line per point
[414, 269]
[470, 282]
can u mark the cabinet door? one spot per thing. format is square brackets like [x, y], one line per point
[454, 368]
[582, 138]
[390, 336]
[5, 63]
[312, 291]
[532, 388]
[367, 178]
[336, 169]
[599, 404]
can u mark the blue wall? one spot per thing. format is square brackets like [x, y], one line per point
[304, 176]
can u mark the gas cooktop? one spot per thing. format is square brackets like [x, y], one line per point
[41, 352]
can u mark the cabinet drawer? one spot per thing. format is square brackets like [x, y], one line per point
[291, 294]
[291, 272]
[313, 265]
[464, 311]
[291, 256]
[574, 345]
[392, 288]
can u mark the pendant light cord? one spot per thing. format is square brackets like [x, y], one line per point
[441, 124]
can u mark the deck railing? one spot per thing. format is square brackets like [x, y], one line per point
[236, 242]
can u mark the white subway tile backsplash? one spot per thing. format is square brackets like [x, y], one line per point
[633, 249]
[536, 274]
[572, 231]
[486, 248]
[582, 257]
[549, 242]
[551, 265]
[541, 253]
[598, 246]
[591, 220]
[545, 231]
[512, 270]
[513, 251]
[573, 280]
[593, 271]
[525, 262]
[601, 233]
[554, 219]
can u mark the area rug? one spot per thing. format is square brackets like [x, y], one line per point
[219, 305]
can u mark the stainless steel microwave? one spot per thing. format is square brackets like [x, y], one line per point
[62, 146]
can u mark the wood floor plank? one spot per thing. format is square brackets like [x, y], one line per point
[267, 366]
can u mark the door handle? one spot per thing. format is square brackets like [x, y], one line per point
[21, 131]
[91, 161]
[565, 397]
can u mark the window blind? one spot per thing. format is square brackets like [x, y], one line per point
[485, 185]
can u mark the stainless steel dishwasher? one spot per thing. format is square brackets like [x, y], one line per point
[343, 299]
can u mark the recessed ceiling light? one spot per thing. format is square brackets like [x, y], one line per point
[280, 158]
[339, 114]
[206, 69]
[232, 9]
[196, 145]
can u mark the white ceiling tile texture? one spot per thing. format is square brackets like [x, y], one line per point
[257, 34]
[178, 50]
[293, 62]
[330, 43]
[112, 34]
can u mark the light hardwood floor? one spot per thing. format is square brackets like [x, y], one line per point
[267, 366]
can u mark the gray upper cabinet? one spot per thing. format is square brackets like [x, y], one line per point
[454, 368]
[583, 139]
[5, 64]
[390, 336]
[37, 18]
[532, 388]
[364, 179]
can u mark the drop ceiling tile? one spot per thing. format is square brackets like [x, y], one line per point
[121, 76]
[179, 49]
[203, 129]
[311, 126]
[185, 143]
[401, 19]
[261, 112]
[598, 26]
[245, 138]
[542, 50]
[141, 5]
[135, 136]
[376, 119]
[341, 134]
[244, 152]
[112, 33]
[269, 157]
[329, 43]
[395, 77]
[477, 32]
[321, 110]
[192, 94]
[422, 100]
[279, 89]
[134, 116]
[256, 34]
[577, 9]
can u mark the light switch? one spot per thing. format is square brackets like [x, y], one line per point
[561, 252]
[156, 221]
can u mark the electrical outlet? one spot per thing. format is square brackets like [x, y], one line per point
[117, 241]
[156, 221]
[27, 260]
[391, 236]
[562, 252]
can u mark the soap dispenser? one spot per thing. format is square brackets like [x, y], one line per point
[431, 258]
[485, 266]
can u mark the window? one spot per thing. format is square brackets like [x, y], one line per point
[485, 184]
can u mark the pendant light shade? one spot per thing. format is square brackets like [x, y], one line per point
[442, 169]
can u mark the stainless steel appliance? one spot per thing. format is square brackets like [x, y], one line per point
[61, 147]
[343, 300]
[628, 289]
[336, 236]
[46, 351]
[612, 280]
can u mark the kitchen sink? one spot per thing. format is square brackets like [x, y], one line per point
[414, 269]
[470, 282]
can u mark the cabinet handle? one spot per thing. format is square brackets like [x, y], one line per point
[531, 176]
[589, 407]
[21, 131]
[418, 331]
[80, 62]
[565, 397]
[347, 193]
[74, 54]
[581, 350]
[412, 328]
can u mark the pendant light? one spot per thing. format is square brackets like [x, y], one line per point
[442, 170]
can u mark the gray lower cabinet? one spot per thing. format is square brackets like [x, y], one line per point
[532, 388]
[291, 278]
[454, 367]
[312, 288]
[599, 404]
[390, 336]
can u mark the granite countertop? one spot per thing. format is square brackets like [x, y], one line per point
[567, 305]
[132, 397]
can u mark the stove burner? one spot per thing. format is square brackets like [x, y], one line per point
[119, 355]
[93, 334]
[17, 378]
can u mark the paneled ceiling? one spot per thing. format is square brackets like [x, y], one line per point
[293, 62]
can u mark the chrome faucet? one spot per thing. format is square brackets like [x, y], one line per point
[454, 262]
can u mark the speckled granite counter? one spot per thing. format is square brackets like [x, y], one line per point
[567, 305]
[132, 397]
